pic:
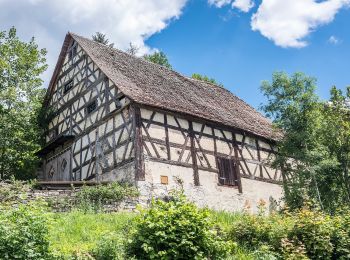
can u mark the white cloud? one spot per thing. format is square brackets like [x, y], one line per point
[334, 40]
[242, 5]
[123, 21]
[288, 22]
[219, 3]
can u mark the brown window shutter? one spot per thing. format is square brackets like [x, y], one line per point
[228, 172]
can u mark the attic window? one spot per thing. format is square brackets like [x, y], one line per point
[72, 51]
[91, 107]
[68, 86]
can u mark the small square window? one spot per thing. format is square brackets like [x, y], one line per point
[91, 107]
[68, 86]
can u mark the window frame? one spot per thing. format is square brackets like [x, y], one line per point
[70, 86]
[228, 172]
[95, 103]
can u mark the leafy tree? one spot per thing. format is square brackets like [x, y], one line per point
[21, 64]
[101, 38]
[314, 152]
[158, 58]
[206, 79]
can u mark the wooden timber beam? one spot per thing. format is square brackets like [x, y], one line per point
[193, 155]
[138, 144]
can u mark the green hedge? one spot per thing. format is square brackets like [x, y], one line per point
[24, 232]
[305, 234]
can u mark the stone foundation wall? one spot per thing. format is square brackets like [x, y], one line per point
[60, 200]
[209, 193]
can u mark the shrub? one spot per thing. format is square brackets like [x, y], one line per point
[23, 232]
[341, 235]
[94, 197]
[175, 230]
[253, 232]
[110, 247]
[313, 229]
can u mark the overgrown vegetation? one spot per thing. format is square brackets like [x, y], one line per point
[315, 150]
[95, 197]
[176, 230]
[172, 229]
[24, 232]
[21, 64]
[206, 79]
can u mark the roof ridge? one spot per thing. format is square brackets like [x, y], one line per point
[153, 64]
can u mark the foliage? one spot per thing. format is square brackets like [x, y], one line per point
[303, 234]
[341, 235]
[257, 231]
[313, 229]
[158, 58]
[79, 233]
[176, 230]
[206, 79]
[111, 246]
[314, 152]
[13, 191]
[24, 232]
[94, 197]
[21, 64]
[101, 38]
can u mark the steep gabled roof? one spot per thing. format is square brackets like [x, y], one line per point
[153, 85]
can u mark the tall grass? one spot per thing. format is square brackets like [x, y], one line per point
[78, 232]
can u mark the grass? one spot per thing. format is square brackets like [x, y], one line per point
[77, 232]
[225, 219]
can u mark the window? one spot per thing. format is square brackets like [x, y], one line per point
[72, 51]
[68, 86]
[91, 107]
[228, 172]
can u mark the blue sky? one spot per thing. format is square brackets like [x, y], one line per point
[219, 42]
[237, 42]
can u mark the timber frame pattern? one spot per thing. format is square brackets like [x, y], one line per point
[120, 132]
[197, 144]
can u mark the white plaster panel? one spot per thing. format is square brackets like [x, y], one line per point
[159, 117]
[209, 193]
[176, 136]
[156, 131]
[145, 113]
[222, 147]
[197, 126]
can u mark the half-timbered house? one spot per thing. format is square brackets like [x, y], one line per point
[121, 118]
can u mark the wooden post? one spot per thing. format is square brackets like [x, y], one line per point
[167, 136]
[259, 158]
[193, 155]
[235, 148]
[139, 160]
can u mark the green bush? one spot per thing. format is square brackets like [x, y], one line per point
[313, 229]
[341, 235]
[23, 232]
[94, 197]
[305, 234]
[253, 231]
[176, 230]
[110, 247]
